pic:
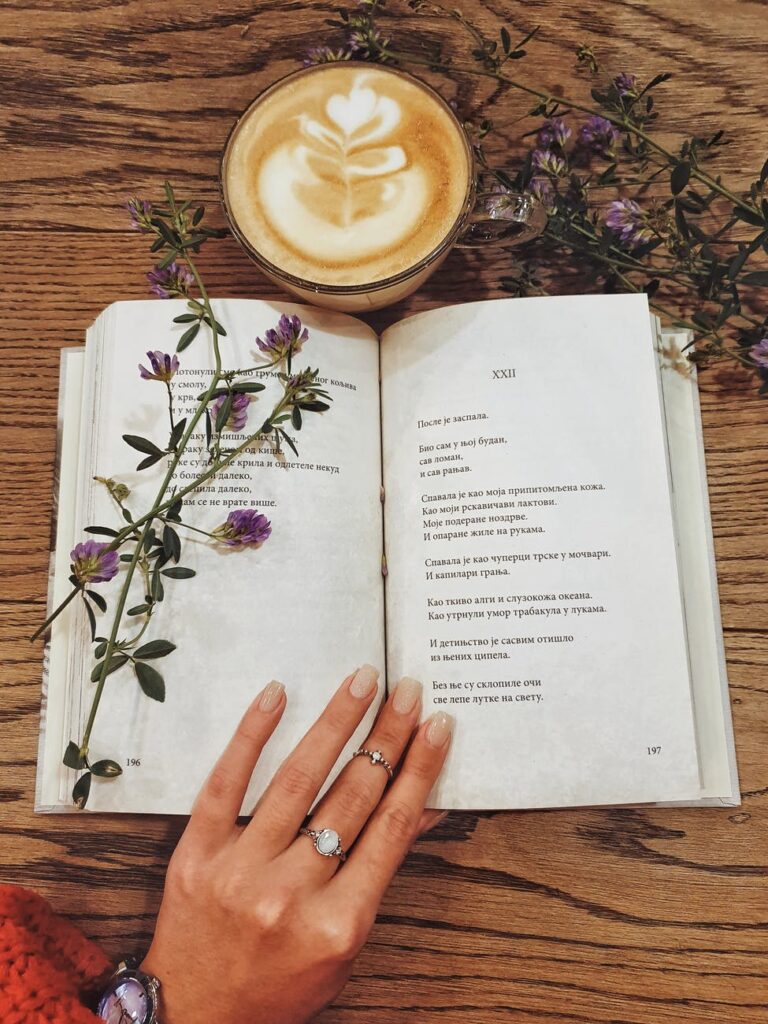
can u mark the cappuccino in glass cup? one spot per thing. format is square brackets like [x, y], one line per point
[348, 183]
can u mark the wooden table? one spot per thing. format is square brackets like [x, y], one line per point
[575, 916]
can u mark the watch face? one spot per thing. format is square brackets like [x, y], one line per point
[125, 1002]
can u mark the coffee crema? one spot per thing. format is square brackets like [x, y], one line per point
[346, 174]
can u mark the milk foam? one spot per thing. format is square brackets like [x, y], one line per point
[346, 175]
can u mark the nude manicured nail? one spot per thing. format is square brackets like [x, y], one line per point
[271, 696]
[407, 695]
[364, 682]
[439, 729]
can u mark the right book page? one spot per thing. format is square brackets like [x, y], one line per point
[533, 578]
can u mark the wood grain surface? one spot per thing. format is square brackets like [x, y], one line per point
[622, 916]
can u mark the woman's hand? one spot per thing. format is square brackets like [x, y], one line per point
[256, 926]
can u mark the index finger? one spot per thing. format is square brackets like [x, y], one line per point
[389, 834]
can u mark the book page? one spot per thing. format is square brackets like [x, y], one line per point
[51, 743]
[533, 581]
[306, 608]
[711, 701]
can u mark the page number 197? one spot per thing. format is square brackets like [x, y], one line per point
[651, 751]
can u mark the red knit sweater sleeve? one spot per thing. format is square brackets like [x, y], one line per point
[46, 963]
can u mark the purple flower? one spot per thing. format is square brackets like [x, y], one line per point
[549, 162]
[629, 222]
[325, 55]
[287, 338]
[238, 414]
[167, 282]
[542, 189]
[625, 85]
[244, 526]
[140, 214]
[553, 133]
[164, 366]
[759, 353]
[598, 135]
[502, 204]
[93, 563]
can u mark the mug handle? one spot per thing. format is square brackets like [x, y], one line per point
[501, 216]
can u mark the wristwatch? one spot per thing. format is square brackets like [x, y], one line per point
[130, 996]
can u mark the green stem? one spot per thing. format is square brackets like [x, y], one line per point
[146, 520]
[72, 594]
[621, 121]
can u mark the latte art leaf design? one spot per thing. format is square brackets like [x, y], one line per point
[344, 170]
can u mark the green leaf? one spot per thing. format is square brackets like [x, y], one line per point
[178, 573]
[91, 618]
[115, 662]
[188, 337]
[97, 599]
[296, 417]
[81, 790]
[506, 42]
[171, 543]
[127, 515]
[100, 649]
[177, 432]
[748, 216]
[155, 649]
[150, 680]
[224, 413]
[680, 177]
[149, 461]
[142, 444]
[138, 609]
[314, 406]
[198, 215]
[101, 531]
[248, 388]
[106, 769]
[208, 429]
[185, 318]
[289, 442]
[756, 277]
[174, 509]
[158, 593]
[72, 757]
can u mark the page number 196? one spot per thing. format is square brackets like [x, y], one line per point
[651, 751]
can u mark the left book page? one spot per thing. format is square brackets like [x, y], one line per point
[305, 608]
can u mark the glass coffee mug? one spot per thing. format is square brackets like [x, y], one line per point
[349, 183]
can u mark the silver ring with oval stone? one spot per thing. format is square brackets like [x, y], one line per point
[375, 757]
[326, 841]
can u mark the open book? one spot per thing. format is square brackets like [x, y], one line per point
[538, 485]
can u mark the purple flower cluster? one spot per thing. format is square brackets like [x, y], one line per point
[598, 135]
[238, 414]
[625, 85]
[168, 282]
[543, 190]
[244, 527]
[140, 214]
[92, 562]
[549, 162]
[628, 220]
[553, 134]
[164, 366]
[759, 353]
[325, 55]
[287, 338]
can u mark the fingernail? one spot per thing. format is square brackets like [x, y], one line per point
[364, 682]
[271, 696]
[439, 729]
[407, 695]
